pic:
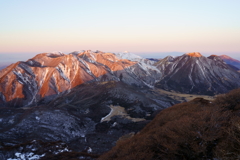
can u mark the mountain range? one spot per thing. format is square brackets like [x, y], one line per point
[49, 75]
[89, 99]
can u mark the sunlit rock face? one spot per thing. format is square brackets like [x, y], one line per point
[194, 73]
[48, 75]
[194, 54]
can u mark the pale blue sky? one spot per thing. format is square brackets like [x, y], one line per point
[143, 27]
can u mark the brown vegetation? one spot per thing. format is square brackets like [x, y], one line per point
[198, 129]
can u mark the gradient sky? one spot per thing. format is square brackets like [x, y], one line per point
[145, 27]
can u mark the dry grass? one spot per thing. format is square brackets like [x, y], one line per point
[183, 97]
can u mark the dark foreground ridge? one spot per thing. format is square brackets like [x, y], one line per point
[198, 129]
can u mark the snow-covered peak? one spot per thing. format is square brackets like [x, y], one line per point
[76, 52]
[55, 53]
[145, 64]
[85, 51]
[129, 56]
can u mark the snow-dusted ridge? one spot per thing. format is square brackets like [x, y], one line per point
[144, 63]
[129, 56]
[55, 53]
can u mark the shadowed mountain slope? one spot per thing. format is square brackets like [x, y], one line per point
[231, 61]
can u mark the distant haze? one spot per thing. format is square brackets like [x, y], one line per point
[14, 57]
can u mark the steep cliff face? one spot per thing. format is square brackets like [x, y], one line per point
[50, 74]
[194, 73]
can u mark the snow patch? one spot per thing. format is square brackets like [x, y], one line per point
[26, 156]
[63, 150]
[107, 116]
[114, 124]
[89, 150]
[55, 53]
[62, 74]
[129, 56]
[11, 121]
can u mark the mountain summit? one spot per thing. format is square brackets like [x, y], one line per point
[194, 54]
